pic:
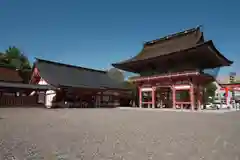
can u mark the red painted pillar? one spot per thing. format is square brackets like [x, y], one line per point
[201, 90]
[226, 95]
[192, 96]
[153, 96]
[198, 97]
[174, 96]
[140, 96]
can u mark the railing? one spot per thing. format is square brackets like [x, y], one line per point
[18, 100]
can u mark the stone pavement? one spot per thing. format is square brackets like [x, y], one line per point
[117, 134]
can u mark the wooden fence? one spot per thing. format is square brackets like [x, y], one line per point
[7, 100]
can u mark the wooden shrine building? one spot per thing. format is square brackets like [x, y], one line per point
[82, 87]
[14, 92]
[172, 65]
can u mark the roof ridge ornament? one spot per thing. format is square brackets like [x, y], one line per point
[186, 31]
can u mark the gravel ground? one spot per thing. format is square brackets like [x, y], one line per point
[117, 134]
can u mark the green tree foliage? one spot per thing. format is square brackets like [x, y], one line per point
[134, 90]
[14, 58]
[209, 91]
[3, 59]
[237, 81]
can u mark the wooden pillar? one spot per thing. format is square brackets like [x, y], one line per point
[96, 100]
[153, 96]
[44, 100]
[0, 98]
[202, 97]
[226, 95]
[101, 99]
[174, 96]
[150, 103]
[198, 97]
[140, 96]
[192, 96]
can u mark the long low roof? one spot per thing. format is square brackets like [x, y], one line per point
[8, 74]
[59, 74]
[25, 86]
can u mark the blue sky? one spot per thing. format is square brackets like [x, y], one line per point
[97, 33]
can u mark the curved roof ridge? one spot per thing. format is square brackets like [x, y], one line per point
[168, 47]
[208, 44]
[219, 53]
[174, 35]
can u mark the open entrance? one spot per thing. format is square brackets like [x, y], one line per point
[164, 97]
[146, 97]
[180, 96]
[183, 100]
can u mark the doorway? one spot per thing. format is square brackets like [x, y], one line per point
[164, 97]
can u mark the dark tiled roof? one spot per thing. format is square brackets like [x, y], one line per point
[169, 44]
[25, 86]
[58, 74]
[9, 75]
[177, 45]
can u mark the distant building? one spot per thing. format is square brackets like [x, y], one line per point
[224, 91]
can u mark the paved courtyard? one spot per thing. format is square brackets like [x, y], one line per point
[102, 134]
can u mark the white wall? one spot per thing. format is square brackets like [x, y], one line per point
[50, 94]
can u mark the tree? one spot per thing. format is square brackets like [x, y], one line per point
[15, 58]
[3, 59]
[1, 55]
[116, 74]
[237, 81]
[209, 91]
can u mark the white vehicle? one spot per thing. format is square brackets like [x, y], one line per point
[217, 105]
